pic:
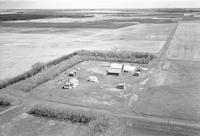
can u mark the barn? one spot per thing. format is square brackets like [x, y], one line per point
[129, 68]
[115, 69]
[116, 66]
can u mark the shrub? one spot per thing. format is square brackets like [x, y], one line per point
[4, 102]
[60, 59]
[100, 125]
[37, 67]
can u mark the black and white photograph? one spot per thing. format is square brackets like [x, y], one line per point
[99, 67]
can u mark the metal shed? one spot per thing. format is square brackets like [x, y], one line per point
[116, 66]
[72, 73]
[114, 71]
[129, 68]
[92, 79]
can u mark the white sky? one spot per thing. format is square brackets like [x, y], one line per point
[4, 4]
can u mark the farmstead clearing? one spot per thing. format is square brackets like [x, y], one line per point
[146, 85]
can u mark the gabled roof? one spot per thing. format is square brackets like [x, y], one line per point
[73, 81]
[92, 79]
[116, 66]
[129, 68]
[114, 71]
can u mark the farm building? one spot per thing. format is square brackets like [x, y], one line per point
[77, 68]
[116, 66]
[115, 69]
[197, 15]
[72, 73]
[129, 68]
[137, 73]
[71, 83]
[188, 14]
[92, 79]
[121, 86]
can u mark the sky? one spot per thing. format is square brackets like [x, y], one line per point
[65, 4]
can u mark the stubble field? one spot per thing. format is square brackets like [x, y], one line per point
[26, 42]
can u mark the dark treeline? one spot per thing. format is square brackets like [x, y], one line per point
[13, 17]
[62, 114]
[133, 57]
[60, 59]
[48, 73]
[22, 76]
[97, 122]
[29, 16]
[36, 68]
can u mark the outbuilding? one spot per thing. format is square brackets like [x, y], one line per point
[114, 71]
[188, 14]
[129, 68]
[137, 73]
[72, 73]
[116, 66]
[92, 79]
[71, 83]
[121, 86]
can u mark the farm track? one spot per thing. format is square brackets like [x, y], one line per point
[126, 116]
[165, 47]
[180, 60]
[9, 114]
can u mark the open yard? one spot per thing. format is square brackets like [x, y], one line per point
[103, 94]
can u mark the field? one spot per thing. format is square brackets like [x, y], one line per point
[185, 45]
[25, 42]
[37, 45]
[173, 91]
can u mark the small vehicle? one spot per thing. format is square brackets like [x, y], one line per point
[137, 73]
[121, 86]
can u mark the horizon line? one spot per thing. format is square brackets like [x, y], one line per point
[108, 8]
